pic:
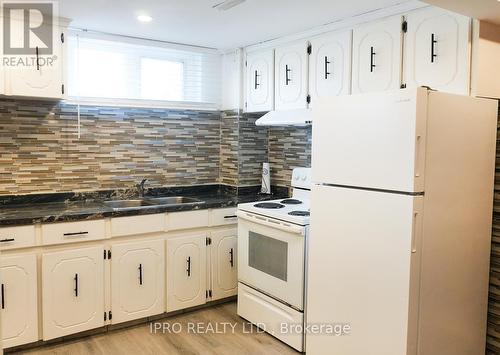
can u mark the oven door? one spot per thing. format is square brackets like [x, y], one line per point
[271, 257]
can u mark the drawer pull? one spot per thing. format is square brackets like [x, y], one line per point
[232, 216]
[76, 285]
[75, 234]
[6, 240]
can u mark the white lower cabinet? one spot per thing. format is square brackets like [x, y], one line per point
[73, 291]
[19, 300]
[137, 279]
[223, 263]
[186, 271]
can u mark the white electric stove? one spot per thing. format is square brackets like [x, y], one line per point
[272, 240]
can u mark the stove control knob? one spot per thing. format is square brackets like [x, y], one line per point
[304, 177]
[296, 177]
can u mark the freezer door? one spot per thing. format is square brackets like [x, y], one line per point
[363, 271]
[372, 140]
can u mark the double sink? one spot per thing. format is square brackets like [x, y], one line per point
[150, 202]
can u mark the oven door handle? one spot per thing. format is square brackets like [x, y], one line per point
[286, 227]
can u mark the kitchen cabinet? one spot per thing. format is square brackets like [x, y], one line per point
[330, 65]
[260, 81]
[376, 62]
[223, 253]
[137, 279]
[72, 291]
[42, 74]
[291, 76]
[19, 299]
[437, 50]
[186, 271]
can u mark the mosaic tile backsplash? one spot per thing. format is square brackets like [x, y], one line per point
[40, 150]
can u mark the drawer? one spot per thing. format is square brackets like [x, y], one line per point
[270, 315]
[187, 220]
[72, 232]
[222, 216]
[17, 237]
[137, 224]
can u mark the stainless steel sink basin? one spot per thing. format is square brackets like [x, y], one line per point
[126, 204]
[173, 200]
[149, 202]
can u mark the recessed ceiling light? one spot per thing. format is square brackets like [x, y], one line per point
[228, 4]
[144, 18]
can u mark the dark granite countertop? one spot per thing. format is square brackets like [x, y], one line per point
[65, 207]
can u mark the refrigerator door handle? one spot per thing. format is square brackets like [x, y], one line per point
[417, 156]
[414, 233]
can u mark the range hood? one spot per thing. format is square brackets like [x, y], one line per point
[296, 117]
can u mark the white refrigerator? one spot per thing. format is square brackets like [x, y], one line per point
[401, 213]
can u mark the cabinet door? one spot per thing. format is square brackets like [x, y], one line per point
[437, 50]
[330, 66]
[137, 280]
[377, 56]
[291, 74]
[73, 291]
[260, 81]
[19, 300]
[41, 74]
[224, 264]
[186, 271]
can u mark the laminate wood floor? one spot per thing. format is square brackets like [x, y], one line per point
[140, 340]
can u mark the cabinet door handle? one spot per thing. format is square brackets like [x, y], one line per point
[3, 296]
[257, 84]
[140, 274]
[372, 59]
[76, 285]
[189, 266]
[287, 77]
[433, 47]
[75, 234]
[6, 240]
[326, 67]
[231, 257]
[37, 59]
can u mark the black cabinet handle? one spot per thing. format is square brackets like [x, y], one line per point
[433, 47]
[189, 266]
[3, 296]
[231, 257]
[37, 59]
[287, 77]
[140, 274]
[326, 67]
[257, 84]
[74, 234]
[6, 240]
[372, 59]
[76, 285]
[232, 216]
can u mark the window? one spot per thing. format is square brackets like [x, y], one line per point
[117, 70]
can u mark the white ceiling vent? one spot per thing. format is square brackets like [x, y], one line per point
[228, 4]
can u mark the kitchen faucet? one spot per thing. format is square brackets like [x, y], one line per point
[140, 187]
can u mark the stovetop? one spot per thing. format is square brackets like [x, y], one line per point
[293, 210]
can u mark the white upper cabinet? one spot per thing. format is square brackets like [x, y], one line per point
[186, 271]
[437, 50]
[19, 300]
[137, 280]
[224, 264]
[41, 73]
[73, 291]
[330, 65]
[260, 81]
[377, 56]
[291, 76]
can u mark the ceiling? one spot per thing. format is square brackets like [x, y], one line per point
[195, 22]
[488, 10]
